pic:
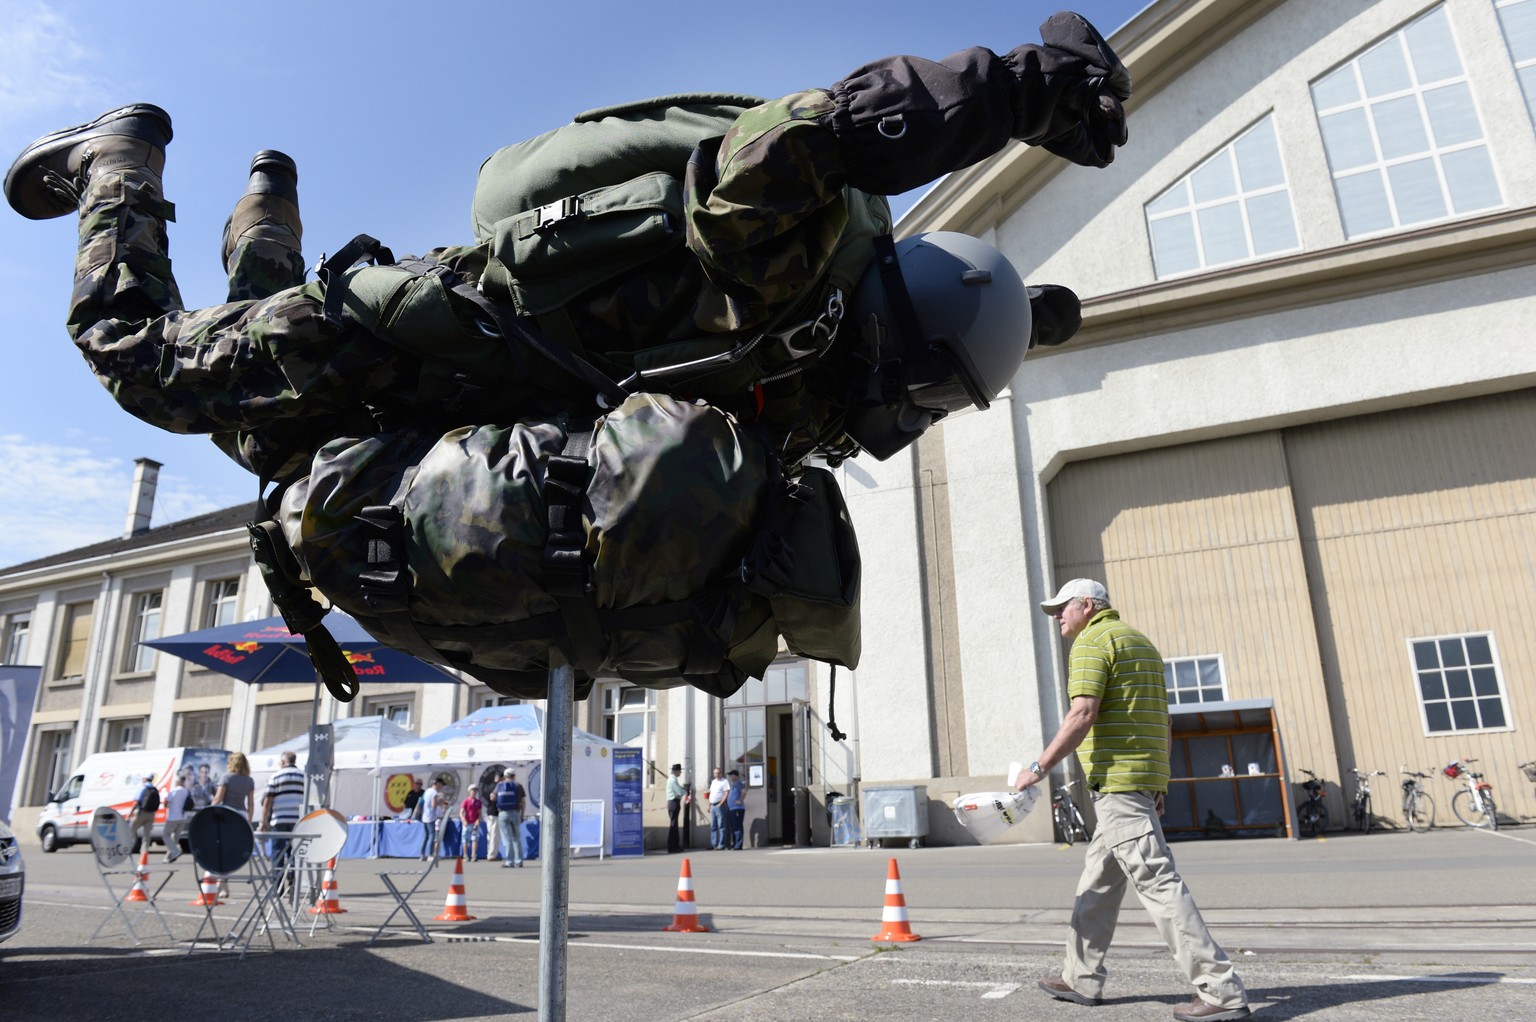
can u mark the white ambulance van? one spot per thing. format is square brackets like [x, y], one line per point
[114, 779]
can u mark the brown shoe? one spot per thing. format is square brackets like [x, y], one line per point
[1059, 990]
[1203, 1011]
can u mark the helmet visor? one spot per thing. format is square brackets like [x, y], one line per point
[940, 383]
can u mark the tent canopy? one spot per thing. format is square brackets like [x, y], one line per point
[359, 742]
[493, 734]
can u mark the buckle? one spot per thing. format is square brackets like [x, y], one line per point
[556, 213]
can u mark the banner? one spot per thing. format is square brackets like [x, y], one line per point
[18, 694]
[628, 826]
[322, 753]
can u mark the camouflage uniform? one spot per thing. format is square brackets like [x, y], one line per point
[766, 212]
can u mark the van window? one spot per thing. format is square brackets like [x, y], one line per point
[72, 789]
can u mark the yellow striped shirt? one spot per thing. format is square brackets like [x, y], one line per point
[1127, 747]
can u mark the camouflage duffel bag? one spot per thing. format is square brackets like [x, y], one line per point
[441, 546]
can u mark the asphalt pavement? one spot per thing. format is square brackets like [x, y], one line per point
[1382, 926]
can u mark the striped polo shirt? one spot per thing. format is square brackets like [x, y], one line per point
[287, 790]
[1127, 747]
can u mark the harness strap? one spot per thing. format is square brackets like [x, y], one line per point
[567, 576]
[387, 582]
[347, 257]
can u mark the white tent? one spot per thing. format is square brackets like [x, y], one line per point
[509, 736]
[359, 743]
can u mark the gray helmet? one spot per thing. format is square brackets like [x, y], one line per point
[943, 322]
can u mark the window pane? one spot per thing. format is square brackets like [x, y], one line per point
[1337, 89]
[1431, 685]
[1210, 673]
[1174, 198]
[1452, 653]
[1479, 649]
[1464, 714]
[1438, 717]
[1363, 201]
[795, 681]
[1384, 70]
[1528, 83]
[1492, 711]
[754, 690]
[1425, 655]
[1458, 684]
[1485, 681]
[1469, 174]
[1433, 48]
[1258, 158]
[1399, 127]
[1416, 188]
[631, 726]
[1271, 223]
[1347, 140]
[1185, 672]
[1519, 22]
[1221, 233]
[1452, 117]
[1214, 180]
[1173, 245]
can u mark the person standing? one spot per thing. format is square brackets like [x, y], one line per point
[282, 805]
[719, 822]
[1119, 726]
[410, 808]
[469, 824]
[434, 809]
[178, 810]
[489, 812]
[736, 809]
[141, 823]
[677, 795]
[236, 788]
[509, 817]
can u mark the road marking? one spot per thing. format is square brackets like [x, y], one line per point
[1507, 837]
[1462, 978]
[680, 950]
[994, 992]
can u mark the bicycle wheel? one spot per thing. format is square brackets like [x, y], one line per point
[1313, 818]
[1419, 812]
[1363, 819]
[1064, 824]
[1466, 811]
[1491, 810]
[1080, 824]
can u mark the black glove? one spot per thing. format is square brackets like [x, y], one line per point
[1070, 90]
[1055, 314]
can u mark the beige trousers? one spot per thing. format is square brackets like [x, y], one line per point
[1129, 848]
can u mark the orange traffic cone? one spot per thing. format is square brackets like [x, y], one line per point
[894, 919]
[210, 889]
[330, 901]
[685, 917]
[455, 907]
[139, 891]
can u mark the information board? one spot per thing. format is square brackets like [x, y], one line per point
[628, 824]
[587, 824]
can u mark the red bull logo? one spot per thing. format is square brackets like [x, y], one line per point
[247, 647]
[363, 663]
[224, 654]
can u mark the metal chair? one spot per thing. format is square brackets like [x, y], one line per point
[113, 844]
[224, 845]
[403, 895]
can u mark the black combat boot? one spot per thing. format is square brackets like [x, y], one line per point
[47, 179]
[269, 209]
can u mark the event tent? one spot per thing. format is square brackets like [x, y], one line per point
[356, 789]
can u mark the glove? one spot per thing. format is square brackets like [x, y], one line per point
[1070, 90]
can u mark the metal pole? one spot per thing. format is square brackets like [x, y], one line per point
[554, 841]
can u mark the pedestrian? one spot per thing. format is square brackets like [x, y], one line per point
[236, 788]
[677, 797]
[719, 822]
[178, 810]
[282, 805]
[433, 808]
[509, 817]
[141, 822]
[486, 790]
[736, 809]
[469, 825]
[410, 808]
[1119, 726]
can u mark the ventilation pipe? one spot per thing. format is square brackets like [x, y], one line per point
[141, 502]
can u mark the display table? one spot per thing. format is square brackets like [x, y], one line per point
[362, 840]
[453, 839]
[529, 832]
[402, 839]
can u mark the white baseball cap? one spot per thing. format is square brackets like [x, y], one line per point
[1072, 590]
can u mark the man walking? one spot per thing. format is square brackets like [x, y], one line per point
[282, 805]
[1118, 724]
[676, 794]
[142, 820]
[509, 817]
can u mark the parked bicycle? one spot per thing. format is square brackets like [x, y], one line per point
[1418, 807]
[1473, 804]
[1312, 815]
[1362, 806]
[1069, 819]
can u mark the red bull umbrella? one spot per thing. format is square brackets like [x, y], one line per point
[266, 652]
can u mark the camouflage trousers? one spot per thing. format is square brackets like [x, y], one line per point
[263, 372]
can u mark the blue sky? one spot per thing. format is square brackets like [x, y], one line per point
[389, 108]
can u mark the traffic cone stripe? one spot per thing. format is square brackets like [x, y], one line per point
[140, 890]
[330, 902]
[685, 913]
[210, 889]
[893, 915]
[455, 905]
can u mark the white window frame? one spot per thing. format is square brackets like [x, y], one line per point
[488, 697]
[1381, 165]
[1498, 677]
[1240, 197]
[1529, 63]
[17, 628]
[141, 619]
[1170, 670]
[123, 734]
[390, 707]
[185, 716]
[620, 699]
[69, 616]
[217, 596]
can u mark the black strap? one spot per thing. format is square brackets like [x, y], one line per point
[908, 327]
[567, 576]
[837, 735]
[387, 581]
[358, 248]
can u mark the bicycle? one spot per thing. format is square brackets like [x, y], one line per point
[1530, 771]
[1069, 819]
[1312, 815]
[1473, 805]
[1362, 804]
[1418, 807]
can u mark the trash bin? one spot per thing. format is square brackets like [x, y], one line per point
[846, 832]
[802, 817]
[896, 811]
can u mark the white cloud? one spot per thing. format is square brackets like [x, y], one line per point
[43, 64]
[55, 497]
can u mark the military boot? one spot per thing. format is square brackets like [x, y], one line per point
[268, 212]
[49, 176]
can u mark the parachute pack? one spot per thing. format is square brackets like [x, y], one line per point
[654, 539]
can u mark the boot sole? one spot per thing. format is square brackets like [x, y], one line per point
[22, 179]
[1070, 995]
